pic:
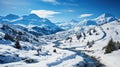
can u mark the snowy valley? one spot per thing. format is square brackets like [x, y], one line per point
[31, 41]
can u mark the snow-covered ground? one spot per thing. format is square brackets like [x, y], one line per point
[62, 49]
[47, 57]
[106, 32]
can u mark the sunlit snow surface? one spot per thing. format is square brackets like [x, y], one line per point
[12, 57]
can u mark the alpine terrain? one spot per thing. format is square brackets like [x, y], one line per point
[32, 41]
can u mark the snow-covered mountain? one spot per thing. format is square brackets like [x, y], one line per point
[68, 25]
[13, 32]
[102, 19]
[8, 18]
[87, 22]
[93, 40]
[33, 23]
[58, 50]
[105, 18]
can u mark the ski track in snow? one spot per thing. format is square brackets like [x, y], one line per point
[86, 59]
[104, 34]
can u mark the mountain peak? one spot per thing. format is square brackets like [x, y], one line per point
[11, 17]
[34, 15]
[87, 22]
[74, 21]
[105, 15]
[105, 18]
[31, 16]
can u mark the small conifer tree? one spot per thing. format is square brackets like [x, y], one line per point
[17, 45]
[110, 47]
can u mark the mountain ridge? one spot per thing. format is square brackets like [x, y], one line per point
[101, 19]
[32, 21]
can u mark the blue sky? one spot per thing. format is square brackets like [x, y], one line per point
[61, 10]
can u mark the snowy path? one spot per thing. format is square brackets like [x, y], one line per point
[104, 34]
[62, 61]
[87, 60]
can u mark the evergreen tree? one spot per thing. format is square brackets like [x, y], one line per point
[94, 30]
[90, 44]
[54, 50]
[110, 47]
[8, 37]
[90, 33]
[39, 50]
[78, 36]
[17, 45]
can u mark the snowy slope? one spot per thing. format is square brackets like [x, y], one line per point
[62, 49]
[102, 19]
[8, 18]
[32, 21]
[87, 22]
[67, 25]
[100, 38]
[105, 18]
[16, 31]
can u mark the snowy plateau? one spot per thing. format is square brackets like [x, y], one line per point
[31, 41]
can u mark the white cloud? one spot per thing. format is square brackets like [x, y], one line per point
[44, 13]
[85, 15]
[51, 1]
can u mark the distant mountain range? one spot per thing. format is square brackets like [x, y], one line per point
[42, 26]
[35, 24]
[68, 25]
[102, 19]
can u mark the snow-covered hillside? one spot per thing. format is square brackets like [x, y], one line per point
[105, 18]
[67, 25]
[35, 24]
[93, 41]
[102, 19]
[84, 45]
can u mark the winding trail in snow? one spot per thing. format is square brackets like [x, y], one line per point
[104, 34]
[87, 62]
